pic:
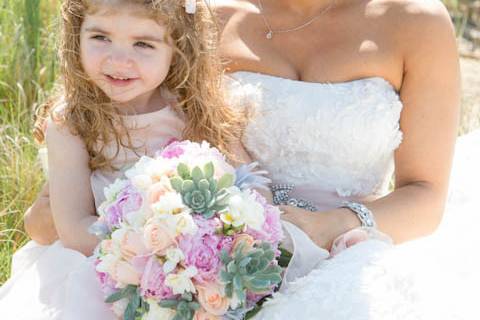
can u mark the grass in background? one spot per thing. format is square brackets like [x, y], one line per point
[28, 66]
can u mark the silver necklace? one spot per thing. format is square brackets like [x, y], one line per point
[271, 32]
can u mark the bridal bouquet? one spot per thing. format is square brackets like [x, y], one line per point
[184, 236]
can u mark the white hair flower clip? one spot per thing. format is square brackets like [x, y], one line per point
[190, 6]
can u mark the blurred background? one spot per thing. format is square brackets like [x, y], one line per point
[28, 68]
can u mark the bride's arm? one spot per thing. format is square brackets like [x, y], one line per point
[430, 93]
[38, 221]
[431, 97]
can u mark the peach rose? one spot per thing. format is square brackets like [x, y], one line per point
[201, 314]
[156, 191]
[123, 272]
[131, 245]
[212, 298]
[158, 237]
[243, 238]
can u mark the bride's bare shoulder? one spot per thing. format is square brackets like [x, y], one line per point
[412, 14]
[412, 22]
[226, 9]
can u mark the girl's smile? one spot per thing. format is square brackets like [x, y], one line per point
[125, 55]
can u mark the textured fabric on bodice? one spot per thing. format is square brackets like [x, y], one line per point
[334, 141]
[149, 133]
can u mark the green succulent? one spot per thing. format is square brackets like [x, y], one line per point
[251, 271]
[199, 189]
[185, 307]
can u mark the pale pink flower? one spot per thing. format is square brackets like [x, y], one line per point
[131, 245]
[124, 273]
[202, 250]
[128, 200]
[152, 284]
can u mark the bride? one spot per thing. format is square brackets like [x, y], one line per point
[343, 94]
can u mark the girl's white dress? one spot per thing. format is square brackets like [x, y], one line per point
[334, 142]
[56, 283]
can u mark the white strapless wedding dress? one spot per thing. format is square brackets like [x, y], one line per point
[336, 142]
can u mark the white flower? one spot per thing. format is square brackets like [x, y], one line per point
[243, 208]
[182, 282]
[113, 189]
[174, 256]
[156, 312]
[107, 262]
[182, 223]
[169, 203]
[154, 168]
[136, 219]
[141, 181]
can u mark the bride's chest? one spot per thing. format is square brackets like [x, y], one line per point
[309, 131]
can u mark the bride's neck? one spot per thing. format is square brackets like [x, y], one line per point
[304, 7]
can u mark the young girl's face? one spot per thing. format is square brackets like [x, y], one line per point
[125, 54]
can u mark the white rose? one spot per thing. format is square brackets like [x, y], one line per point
[140, 167]
[154, 168]
[142, 181]
[169, 203]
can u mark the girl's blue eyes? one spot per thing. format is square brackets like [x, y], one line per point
[139, 44]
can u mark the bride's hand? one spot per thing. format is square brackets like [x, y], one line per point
[321, 227]
[38, 220]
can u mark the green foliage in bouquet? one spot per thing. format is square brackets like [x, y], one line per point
[136, 305]
[199, 189]
[251, 271]
[185, 307]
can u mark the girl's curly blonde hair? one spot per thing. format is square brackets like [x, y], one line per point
[195, 78]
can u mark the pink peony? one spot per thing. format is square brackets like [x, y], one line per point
[202, 250]
[152, 283]
[128, 200]
[173, 150]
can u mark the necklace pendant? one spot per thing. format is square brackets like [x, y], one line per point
[269, 35]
